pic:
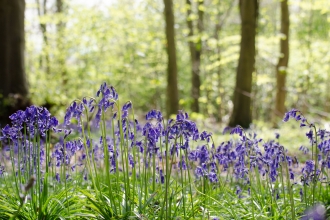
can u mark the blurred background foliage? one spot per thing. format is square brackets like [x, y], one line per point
[72, 49]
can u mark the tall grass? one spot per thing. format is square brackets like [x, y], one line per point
[103, 164]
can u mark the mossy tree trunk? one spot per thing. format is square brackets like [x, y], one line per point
[281, 67]
[42, 11]
[195, 47]
[13, 84]
[242, 114]
[60, 27]
[172, 96]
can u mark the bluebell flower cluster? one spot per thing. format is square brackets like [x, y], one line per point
[64, 152]
[298, 116]
[308, 172]
[36, 121]
[154, 114]
[145, 146]
[125, 109]
[77, 108]
[243, 155]
[182, 126]
[108, 96]
[24, 140]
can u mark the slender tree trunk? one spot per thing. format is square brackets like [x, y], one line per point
[218, 28]
[327, 96]
[59, 41]
[281, 68]
[42, 10]
[172, 98]
[327, 102]
[242, 114]
[13, 84]
[195, 53]
[309, 62]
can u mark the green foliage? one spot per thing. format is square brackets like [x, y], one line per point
[114, 168]
[125, 42]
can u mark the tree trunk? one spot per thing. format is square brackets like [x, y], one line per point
[242, 114]
[59, 42]
[218, 29]
[327, 95]
[42, 11]
[13, 84]
[172, 98]
[281, 68]
[195, 53]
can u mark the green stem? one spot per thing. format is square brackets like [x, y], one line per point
[190, 182]
[123, 155]
[106, 158]
[315, 178]
[283, 189]
[116, 160]
[182, 186]
[288, 183]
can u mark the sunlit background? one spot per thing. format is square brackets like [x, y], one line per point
[72, 49]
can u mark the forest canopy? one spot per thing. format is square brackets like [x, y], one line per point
[73, 46]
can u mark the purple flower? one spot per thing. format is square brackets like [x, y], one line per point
[2, 170]
[67, 132]
[309, 166]
[108, 93]
[226, 130]
[308, 172]
[310, 135]
[12, 133]
[36, 120]
[277, 135]
[57, 177]
[292, 113]
[193, 155]
[304, 149]
[205, 136]
[154, 114]
[322, 133]
[131, 160]
[297, 115]
[199, 172]
[203, 154]
[125, 109]
[108, 98]
[183, 127]
[237, 130]
[182, 116]
[238, 190]
[213, 177]
[291, 174]
[18, 118]
[301, 193]
[74, 111]
[162, 177]
[152, 132]
[182, 164]
[317, 212]
[185, 145]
